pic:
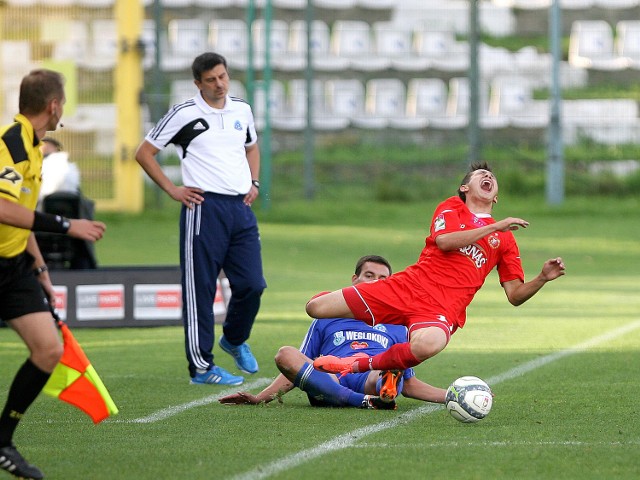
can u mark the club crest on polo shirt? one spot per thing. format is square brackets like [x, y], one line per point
[338, 338]
[237, 125]
[439, 223]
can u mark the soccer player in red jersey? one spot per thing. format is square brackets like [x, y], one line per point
[430, 297]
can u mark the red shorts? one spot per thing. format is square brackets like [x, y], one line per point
[382, 302]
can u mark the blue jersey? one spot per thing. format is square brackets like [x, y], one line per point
[344, 337]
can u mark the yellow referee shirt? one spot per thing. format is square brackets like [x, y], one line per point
[20, 178]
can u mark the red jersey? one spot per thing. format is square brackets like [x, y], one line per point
[440, 285]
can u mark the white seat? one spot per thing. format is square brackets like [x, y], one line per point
[376, 4]
[628, 42]
[512, 97]
[214, 3]
[606, 121]
[334, 4]
[176, 3]
[493, 61]
[323, 59]
[187, 37]
[351, 39]
[290, 4]
[275, 102]
[95, 3]
[427, 98]
[148, 41]
[70, 39]
[228, 37]
[181, 90]
[345, 98]
[387, 99]
[536, 66]
[395, 43]
[459, 100]
[236, 89]
[615, 4]
[442, 50]
[56, 3]
[591, 46]
[281, 57]
[322, 119]
[97, 118]
[102, 51]
[576, 4]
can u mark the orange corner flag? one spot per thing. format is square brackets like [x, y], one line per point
[75, 381]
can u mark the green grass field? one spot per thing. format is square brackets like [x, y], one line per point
[563, 367]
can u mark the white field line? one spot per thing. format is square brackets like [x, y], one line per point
[349, 439]
[176, 409]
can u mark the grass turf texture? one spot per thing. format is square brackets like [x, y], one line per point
[572, 418]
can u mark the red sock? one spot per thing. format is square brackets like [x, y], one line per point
[398, 357]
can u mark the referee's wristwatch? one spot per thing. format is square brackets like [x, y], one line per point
[256, 183]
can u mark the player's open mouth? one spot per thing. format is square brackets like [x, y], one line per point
[486, 185]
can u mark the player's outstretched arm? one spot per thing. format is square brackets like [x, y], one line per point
[415, 388]
[275, 390]
[519, 292]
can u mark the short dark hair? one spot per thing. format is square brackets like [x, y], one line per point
[373, 259]
[472, 168]
[38, 88]
[206, 61]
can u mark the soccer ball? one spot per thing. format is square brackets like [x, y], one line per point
[468, 399]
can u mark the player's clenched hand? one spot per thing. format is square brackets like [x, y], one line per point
[240, 398]
[89, 230]
[511, 223]
[553, 269]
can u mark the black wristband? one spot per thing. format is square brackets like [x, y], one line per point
[256, 183]
[40, 270]
[47, 222]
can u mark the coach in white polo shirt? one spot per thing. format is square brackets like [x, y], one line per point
[216, 139]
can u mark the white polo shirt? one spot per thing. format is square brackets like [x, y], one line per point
[211, 143]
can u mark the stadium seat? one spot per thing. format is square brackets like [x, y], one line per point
[387, 99]
[275, 103]
[282, 58]
[345, 98]
[334, 4]
[458, 104]
[229, 38]
[427, 98]
[351, 39]
[236, 89]
[628, 42]
[323, 59]
[606, 121]
[494, 61]
[148, 42]
[512, 97]
[322, 118]
[591, 46]
[442, 50]
[576, 4]
[214, 3]
[176, 3]
[95, 3]
[616, 4]
[102, 51]
[185, 36]
[395, 43]
[70, 39]
[57, 3]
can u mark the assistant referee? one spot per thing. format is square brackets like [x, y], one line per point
[215, 136]
[25, 286]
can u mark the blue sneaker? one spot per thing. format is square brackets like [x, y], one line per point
[216, 376]
[242, 355]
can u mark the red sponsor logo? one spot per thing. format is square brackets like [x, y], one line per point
[109, 299]
[61, 300]
[169, 299]
[359, 345]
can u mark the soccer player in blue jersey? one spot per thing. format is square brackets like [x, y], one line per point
[344, 337]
